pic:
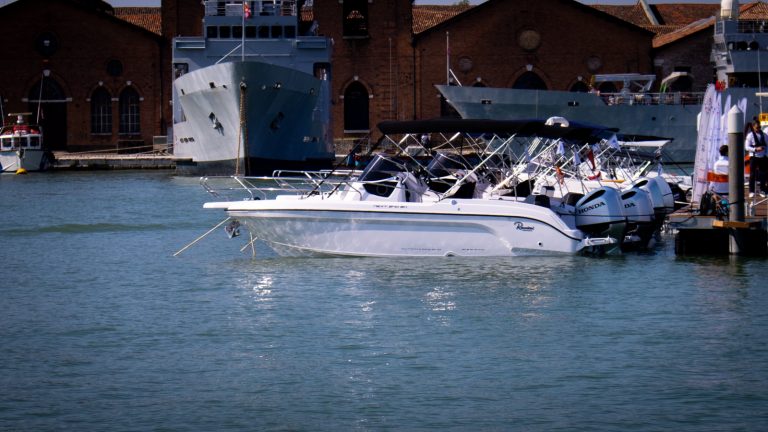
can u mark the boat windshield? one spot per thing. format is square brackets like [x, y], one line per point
[443, 165]
[381, 167]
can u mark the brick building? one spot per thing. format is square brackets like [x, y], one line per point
[372, 62]
[90, 76]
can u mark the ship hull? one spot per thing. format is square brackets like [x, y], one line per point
[263, 115]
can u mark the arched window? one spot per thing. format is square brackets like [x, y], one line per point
[101, 111]
[356, 108]
[580, 87]
[130, 119]
[530, 81]
[355, 18]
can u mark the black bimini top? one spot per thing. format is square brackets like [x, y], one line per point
[575, 131]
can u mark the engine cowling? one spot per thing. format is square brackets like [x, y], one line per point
[660, 193]
[599, 209]
[638, 207]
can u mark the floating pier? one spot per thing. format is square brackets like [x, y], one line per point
[708, 235]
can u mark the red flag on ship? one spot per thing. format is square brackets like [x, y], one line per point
[246, 10]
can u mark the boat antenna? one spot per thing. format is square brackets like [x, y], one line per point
[447, 58]
[40, 99]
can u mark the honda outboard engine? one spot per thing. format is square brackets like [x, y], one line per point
[666, 191]
[600, 213]
[641, 219]
[661, 195]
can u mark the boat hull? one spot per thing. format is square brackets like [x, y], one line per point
[30, 160]
[277, 107]
[450, 228]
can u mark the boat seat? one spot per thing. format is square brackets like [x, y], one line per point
[538, 199]
[571, 198]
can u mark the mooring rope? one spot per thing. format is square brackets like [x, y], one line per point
[202, 236]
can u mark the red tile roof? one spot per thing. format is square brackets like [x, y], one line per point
[148, 18]
[755, 10]
[671, 16]
[662, 39]
[428, 16]
[684, 14]
[630, 13]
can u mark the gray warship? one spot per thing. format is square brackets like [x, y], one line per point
[252, 94]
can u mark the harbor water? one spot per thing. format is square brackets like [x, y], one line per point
[102, 328]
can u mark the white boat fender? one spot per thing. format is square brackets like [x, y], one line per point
[557, 120]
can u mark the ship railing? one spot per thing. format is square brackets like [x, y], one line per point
[257, 8]
[664, 98]
[752, 26]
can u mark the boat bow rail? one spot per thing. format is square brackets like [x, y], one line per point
[298, 183]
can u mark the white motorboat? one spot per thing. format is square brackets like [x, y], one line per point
[21, 147]
[452, 227]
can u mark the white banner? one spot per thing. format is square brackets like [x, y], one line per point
[709, 122]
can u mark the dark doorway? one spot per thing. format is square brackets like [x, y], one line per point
[530, 81]
[49, 109]
[356, 108]
[580, 87]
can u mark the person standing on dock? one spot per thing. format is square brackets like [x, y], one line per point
[755, 143]
[718, 177]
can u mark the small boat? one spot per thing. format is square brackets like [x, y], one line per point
[22, 148]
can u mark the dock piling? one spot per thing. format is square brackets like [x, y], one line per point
[735, 178]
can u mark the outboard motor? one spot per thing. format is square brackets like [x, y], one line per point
[660, 193]
[641, 219]
[666, 191]
[600, 213]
